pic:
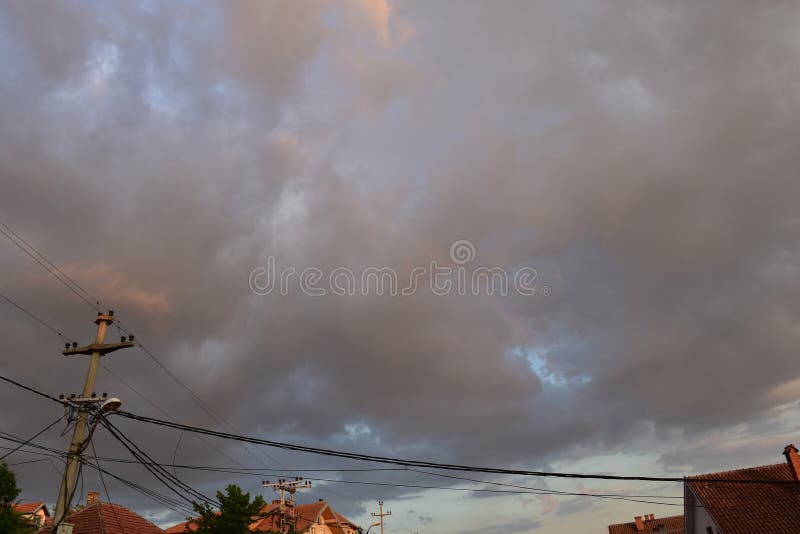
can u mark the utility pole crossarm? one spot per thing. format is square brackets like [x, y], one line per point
[101, 348]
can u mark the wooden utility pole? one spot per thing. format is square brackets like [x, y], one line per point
[380, 514]
[86, 403]
[288, 517]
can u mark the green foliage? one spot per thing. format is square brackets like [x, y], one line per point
[10, 521]
[235, 514]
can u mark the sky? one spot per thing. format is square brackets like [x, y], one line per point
[626, 171]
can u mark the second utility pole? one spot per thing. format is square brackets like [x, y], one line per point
[381, 514]
[287, 511]
[85, 403]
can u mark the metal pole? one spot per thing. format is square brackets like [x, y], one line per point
[287, 510]
[380, 514]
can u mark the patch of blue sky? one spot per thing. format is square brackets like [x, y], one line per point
[548, 369]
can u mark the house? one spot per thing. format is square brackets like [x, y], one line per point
[34, 513]
[312, 518]
[727, 505]
[648, 525]
[348, 526]
[106, 518]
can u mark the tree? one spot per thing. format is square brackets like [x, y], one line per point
[10, 521]
[235, 514]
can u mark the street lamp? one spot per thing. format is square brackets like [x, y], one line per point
[110, 405]
[375, 524]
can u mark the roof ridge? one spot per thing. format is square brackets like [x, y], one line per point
[656, 519]
[731, 471]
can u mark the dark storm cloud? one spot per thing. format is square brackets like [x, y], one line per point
[642, 159]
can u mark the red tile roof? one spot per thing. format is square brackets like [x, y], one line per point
[185, 526]
[105, 518]
[180, 528]
[307, 515]
[343, 520]
[743, 508]
[29, 507]
[672, 525]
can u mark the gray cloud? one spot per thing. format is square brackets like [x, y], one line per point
[643, 160]
[517, 525]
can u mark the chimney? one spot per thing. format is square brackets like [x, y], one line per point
[93, 497]
[639, 523]
[793, 459]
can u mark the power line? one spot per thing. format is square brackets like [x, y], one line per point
[533, 488]
[521, 489]
[108, 369]
[45, 395]
[428, 464]
[527, 489]
[196, 398]
[169, 502]
[159, 409]
[25, 451]
[119, 378]
[47, 265]
[42, 431]
[15, 439]
[55, 453]
[82, 293]
[536, 491]
[105, 488]
[402, 462]
[29, 461]
[164, 476]
[35, 318]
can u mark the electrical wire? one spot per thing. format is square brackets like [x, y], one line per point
[87, 297]
[533, 488]
[42, 431]
[390, 460]
[202, 404]
[167, 478]
[34, 391]
[29, 462]
[46, 264]
[105, 489]
[527, 489]
[25, 451]
[428, 464]
[119, 378]
[522, 489]
[163, 412]
[15, 439]
[173, 504]
[36, 318]
[402, 462]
